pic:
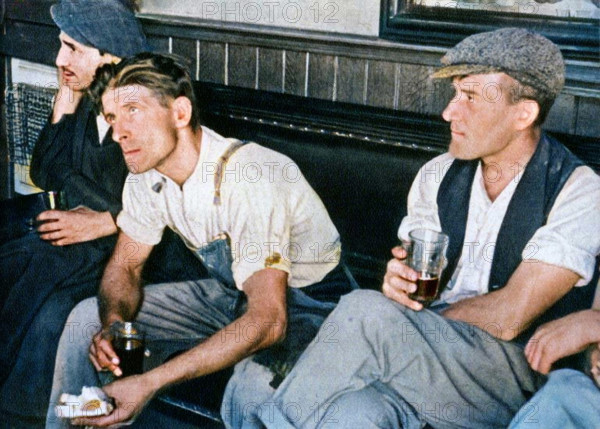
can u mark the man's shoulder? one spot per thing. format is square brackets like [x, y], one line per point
[443, 161]
[250, 152]
[253, 151]
[435, 169]
[585, 175]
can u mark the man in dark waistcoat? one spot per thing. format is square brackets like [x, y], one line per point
[522, 215]
[44, 274]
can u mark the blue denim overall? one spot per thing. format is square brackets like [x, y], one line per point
[307, 308]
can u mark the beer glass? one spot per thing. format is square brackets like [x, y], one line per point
[52, 200]
[427, 256]
[40, 202]
[128, 343]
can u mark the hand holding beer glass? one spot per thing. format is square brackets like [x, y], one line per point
[427, 256]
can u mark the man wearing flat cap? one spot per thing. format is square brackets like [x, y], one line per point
[522, 214]
[45, 274]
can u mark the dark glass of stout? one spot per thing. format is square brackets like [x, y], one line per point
[128, 343]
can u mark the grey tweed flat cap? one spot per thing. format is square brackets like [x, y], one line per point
[107, 25]
[528, 57]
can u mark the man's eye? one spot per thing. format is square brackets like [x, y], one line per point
[133, 109]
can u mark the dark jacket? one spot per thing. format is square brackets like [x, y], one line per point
[68, 157]
[40, 282]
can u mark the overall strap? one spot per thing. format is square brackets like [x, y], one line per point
[221, 163]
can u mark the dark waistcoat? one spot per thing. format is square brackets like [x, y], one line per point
[528, 210]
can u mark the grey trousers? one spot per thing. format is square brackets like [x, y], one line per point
[175, 316]
[376, 363]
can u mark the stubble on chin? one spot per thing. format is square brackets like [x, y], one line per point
[460, 151]
[454, 149]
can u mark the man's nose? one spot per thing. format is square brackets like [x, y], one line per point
[62, 59]
[118, 132]
[449, 113]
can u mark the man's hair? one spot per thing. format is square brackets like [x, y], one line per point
[166, 76]
[519, 92]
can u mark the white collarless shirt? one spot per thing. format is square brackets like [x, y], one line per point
[570, 239]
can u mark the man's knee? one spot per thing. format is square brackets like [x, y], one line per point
[83, 323]
[362, 302]
[366, 306]
[362, 408]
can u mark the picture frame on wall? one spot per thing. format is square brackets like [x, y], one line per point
[572, 24]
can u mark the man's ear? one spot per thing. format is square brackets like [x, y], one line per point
[109, 58]
[182, 111]
[528, 113]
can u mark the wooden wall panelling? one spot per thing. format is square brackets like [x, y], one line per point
[351, 80]
[381, 88]
[212, 62]
[187, 48]
[241, 66]
[440, 95]
[413, 85]
[295, 72]
[321, 76]
[159, 43]
[270, 69]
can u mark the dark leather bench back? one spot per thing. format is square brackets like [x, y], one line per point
[361, 161]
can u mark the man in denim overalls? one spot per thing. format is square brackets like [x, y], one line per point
[247, 213]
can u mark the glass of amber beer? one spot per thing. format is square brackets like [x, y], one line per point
[427, 256]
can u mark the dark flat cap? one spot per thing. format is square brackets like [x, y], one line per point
[528, 57]
[107, 25]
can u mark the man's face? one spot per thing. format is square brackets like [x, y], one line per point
[77, 63]
[143, 127]
[481, 116]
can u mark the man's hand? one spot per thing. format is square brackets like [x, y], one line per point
[62, 228]
[130, 395]
[103, 355]
[559, 338]
[400, 280]
[66, 101]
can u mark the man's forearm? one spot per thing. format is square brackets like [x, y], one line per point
[487, 313]
[222, 350]
[594, 325]
[505, 313]
[263, 324]
[119, 296]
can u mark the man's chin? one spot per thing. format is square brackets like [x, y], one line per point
[75, 86]
[135, 168]
[456, 151]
